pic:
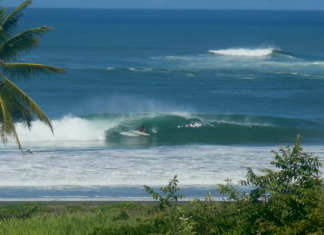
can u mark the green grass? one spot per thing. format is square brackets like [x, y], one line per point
[44, 219]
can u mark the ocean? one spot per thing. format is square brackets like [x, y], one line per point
[216, 91]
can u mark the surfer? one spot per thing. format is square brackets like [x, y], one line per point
[28, 151]
[141, 129]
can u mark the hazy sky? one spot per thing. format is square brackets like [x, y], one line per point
[172, 4]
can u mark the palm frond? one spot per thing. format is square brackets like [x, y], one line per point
[22, 42]
[7, 125]
[26, 101]
[25, 71]
[3, 12]
[23, 115]
[10, 22]
[18, 141]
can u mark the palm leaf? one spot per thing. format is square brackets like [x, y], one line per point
[3, 12]
[26, 101]
[22, 42]
[24, 70]
[22, 114]
[10, 22]
[7, 125]
[17, 140]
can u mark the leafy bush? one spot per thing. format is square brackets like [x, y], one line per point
[281, 201]
[170, 191]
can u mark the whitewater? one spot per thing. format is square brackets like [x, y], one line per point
[245, 52]
[215, 91]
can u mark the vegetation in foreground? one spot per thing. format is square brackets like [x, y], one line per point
[288, 200]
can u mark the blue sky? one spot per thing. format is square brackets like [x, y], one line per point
[176, 4]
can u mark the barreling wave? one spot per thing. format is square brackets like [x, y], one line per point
[175, 129]
[216, 129]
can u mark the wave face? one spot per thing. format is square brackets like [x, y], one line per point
[175, 129]
[218, 129]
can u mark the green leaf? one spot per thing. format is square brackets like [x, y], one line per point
[21, 43]
[20, 97]
[9, 24]
[25, 71]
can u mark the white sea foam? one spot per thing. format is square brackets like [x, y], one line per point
[195, 165]
[140, 70]
[68, 128]
[244, 52]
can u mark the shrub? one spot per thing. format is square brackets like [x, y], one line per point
[283, 200]
[170, 192]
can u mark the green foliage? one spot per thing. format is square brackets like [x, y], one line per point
[9, 23]
[284, 199]
[170, 220]
[26, 71]
[15, 105]
[121, 216]
[210, 217]
[170, 191]
[74, 208]
[20, 211]
[119, 205]
[142, 227]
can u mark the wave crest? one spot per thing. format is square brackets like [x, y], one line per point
[244, 52]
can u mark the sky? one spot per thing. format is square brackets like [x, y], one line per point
[176, 4]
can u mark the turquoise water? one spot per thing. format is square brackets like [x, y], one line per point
[216, 91]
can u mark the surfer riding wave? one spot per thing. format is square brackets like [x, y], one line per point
[141, 129]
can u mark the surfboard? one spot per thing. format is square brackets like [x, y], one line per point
[134, 133]
[142, 133]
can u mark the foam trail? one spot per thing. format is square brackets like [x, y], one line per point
[68, 128]
[244, 52]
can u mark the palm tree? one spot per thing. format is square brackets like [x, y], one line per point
[15, 105]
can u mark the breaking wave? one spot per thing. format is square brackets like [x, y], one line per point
[246, 52]
[175, 129]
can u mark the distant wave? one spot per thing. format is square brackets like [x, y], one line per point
[293, 74]
[244, 52]
[129, 69]
[321, 63]
[300, 75]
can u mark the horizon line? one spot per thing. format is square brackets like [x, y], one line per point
[171, 9]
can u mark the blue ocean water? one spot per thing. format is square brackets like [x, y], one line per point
[216, 91]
